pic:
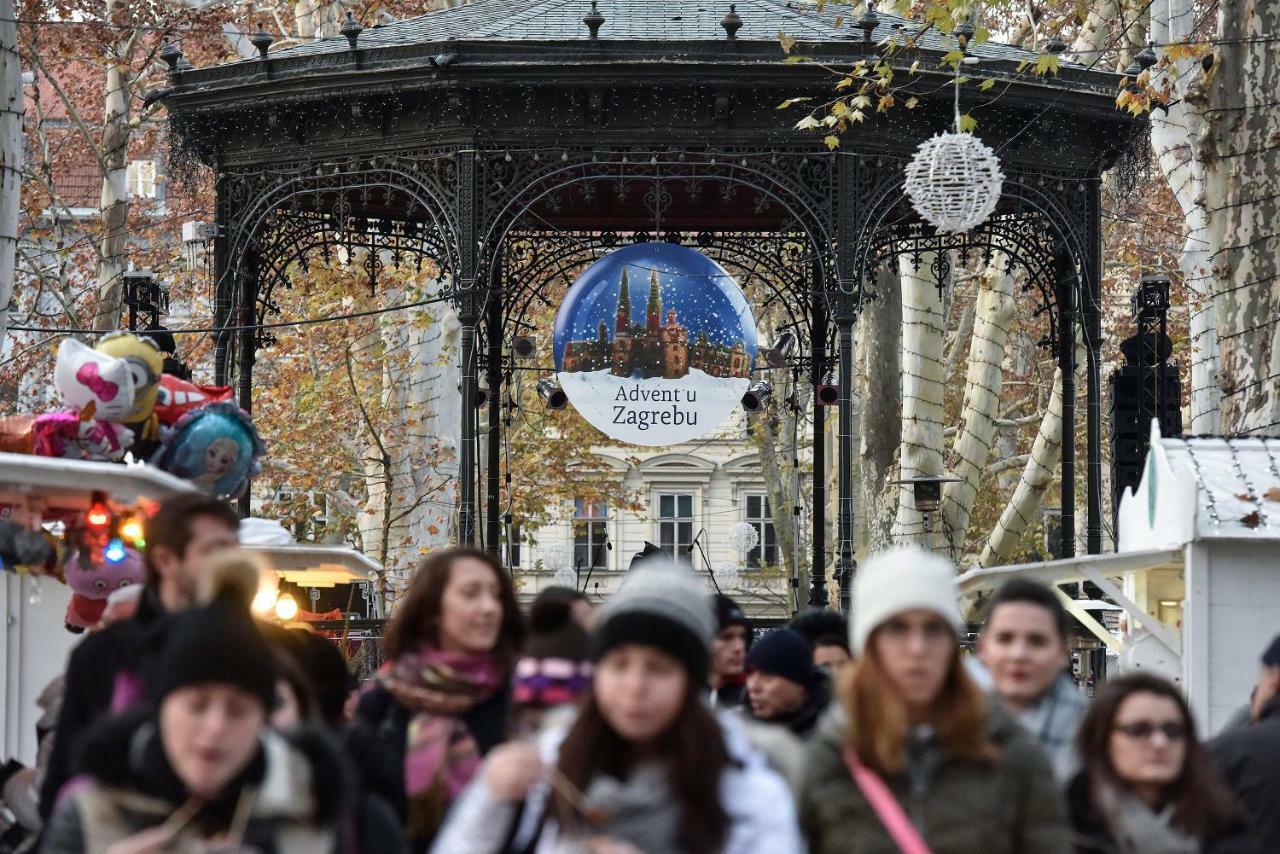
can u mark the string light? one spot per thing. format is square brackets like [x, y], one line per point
[115, 551]
[99, 515]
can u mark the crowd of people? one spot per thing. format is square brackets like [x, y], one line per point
[654, 723]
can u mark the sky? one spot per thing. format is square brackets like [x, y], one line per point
[705, 297]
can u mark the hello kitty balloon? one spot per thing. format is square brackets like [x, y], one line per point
[84, 376]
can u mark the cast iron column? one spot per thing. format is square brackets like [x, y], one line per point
[818, 359]
[493, 372]
[469, 304]
[1093, 334]
[845, 564]
[223, 288]
[1066, 281]
[246, 337]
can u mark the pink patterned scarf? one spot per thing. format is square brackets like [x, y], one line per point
[440, 756]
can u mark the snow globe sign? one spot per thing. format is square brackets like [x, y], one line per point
[654, 344]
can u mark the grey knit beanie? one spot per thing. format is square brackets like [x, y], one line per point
[664, 605]
[898, 580]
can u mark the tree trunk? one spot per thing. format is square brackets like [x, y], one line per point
[1036, 477]
[1242, 199]
[993, 313]
[879, 398]
[114, 204]
[923, 383]
[11, 141]
[1173, 135]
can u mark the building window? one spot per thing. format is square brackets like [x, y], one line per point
[675, 523]
[590, 520]
[141, 178]
[759, 517]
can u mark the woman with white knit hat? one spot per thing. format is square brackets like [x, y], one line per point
[912, 758]
[646, 766]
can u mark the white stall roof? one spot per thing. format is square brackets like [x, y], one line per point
[70, 484]
[311, 565]
[1203, 488]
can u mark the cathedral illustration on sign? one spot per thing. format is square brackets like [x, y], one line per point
[656, 349]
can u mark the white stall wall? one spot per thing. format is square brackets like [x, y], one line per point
[1233, 599]
[35, 647]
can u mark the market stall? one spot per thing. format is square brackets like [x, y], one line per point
[56, 501]
[1196, 572]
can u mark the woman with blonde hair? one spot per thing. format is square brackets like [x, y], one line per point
[912, 758]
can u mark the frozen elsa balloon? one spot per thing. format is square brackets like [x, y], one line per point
[215, 447]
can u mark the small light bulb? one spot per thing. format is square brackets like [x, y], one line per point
[98, 515]
[114, 552]
[131, 530]
[286, 608]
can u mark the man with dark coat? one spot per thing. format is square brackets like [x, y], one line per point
[104, 673]
[728, 654]
[783, 685]
[1249, 756]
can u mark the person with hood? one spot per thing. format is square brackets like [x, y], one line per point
[105, 672]
[646, 766]
[728, 687]
[198, 766]
[440, 702]
[1023, 646]
[913, 757]
[784, 687]
[1249, 756]
[1147, 785]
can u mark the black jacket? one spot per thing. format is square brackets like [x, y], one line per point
[377, 741]
[1092, 836]
[302, 805]
[90, 680]
[1249, 758]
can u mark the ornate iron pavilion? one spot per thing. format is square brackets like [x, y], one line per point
[511, 141]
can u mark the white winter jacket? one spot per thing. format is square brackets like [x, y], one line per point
[760, 806]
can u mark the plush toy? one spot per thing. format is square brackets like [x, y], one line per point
[73, 436]
[91, 583]
[84, 376]
[177, 397]
[215, 447]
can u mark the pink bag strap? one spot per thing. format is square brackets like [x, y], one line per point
[888, 810]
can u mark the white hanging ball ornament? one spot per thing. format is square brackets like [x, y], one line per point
[954, 182]
[565, 578]
[744, 537]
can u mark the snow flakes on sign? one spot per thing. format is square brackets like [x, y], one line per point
[954, 182]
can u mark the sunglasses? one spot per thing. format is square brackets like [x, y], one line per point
[1143, 730]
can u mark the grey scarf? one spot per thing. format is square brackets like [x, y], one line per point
[1137, 829]
[640, 810]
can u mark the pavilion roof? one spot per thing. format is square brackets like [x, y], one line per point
[643, 21]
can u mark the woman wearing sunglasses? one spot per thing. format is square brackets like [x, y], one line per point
[646, 766]
[1147, 786]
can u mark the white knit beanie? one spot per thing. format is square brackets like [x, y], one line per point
[899, 580]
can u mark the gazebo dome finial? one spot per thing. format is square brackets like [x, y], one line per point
[594, 21]
[732, 21]
[351, 29]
